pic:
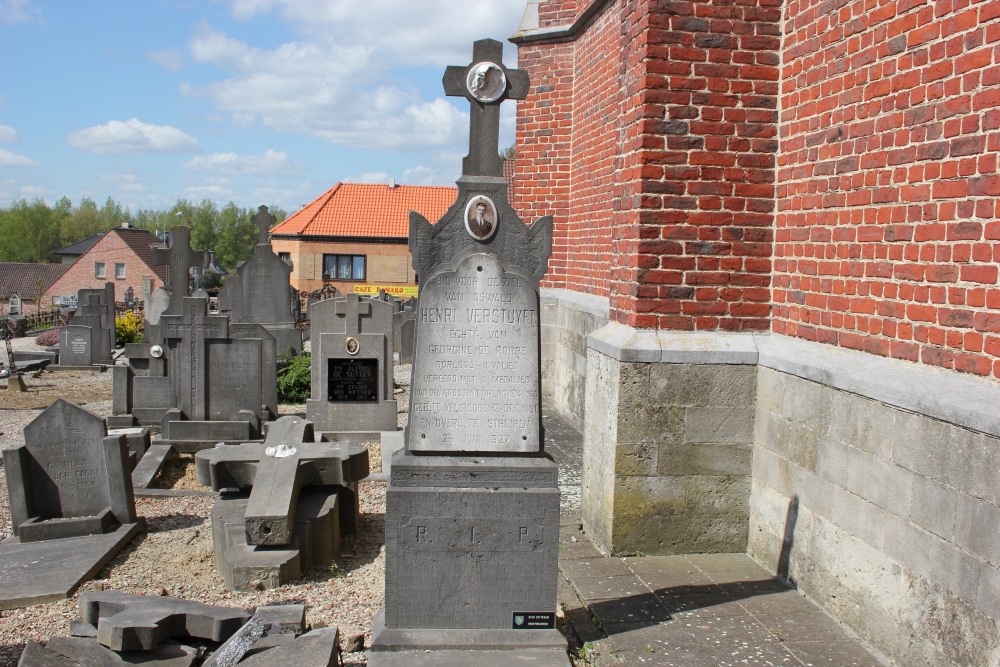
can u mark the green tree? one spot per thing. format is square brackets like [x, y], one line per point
[237, 236]
[112, 214]
[85, 221]
[204, 226]
[28, 232]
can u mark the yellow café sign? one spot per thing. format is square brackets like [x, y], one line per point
[392, 290]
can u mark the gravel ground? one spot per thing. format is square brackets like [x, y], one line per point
[174, 555]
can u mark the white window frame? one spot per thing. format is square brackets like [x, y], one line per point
[121, 275]
[14, 305]
[99, 270]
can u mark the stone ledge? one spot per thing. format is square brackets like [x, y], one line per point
[598, 306]
[624, 343]
[957, 398]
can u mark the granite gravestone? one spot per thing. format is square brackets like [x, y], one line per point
[259, 293]
[352, 365]
[217, 381]
[275, 533]
[71, 505]
[179, 259]
[95, 311]
[472, 540]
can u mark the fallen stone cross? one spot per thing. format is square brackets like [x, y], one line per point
[276, 471]
[141, 622]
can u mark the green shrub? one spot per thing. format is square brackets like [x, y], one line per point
[295, 379]
[128, 329]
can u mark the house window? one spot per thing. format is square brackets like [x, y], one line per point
[15, 304]
[98, 269]
[119, 271]
[343, 267]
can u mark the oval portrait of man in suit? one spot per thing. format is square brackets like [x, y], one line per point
[481, 218]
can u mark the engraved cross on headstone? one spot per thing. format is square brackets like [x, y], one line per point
[485, 83]
[353, 309]
[264, 222]
[179, 258]
[194, 329]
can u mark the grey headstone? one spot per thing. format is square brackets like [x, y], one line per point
[268, 362]
[179, 258]
[283, 618]
[96, 310]
[188, 335]
[121, 390]
[80, 651]
[76, 345]
[67, 473]
[352, 365]
[141, 622]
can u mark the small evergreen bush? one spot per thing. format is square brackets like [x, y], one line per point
[128, 329]
[295, 378]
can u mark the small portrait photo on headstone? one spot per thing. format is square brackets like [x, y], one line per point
[481, 218]
[351, 345]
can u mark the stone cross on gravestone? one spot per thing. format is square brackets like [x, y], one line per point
[485, 83]
[179, 258]
[277, 470]
[353, 309]
[193, 329]
[264, 221]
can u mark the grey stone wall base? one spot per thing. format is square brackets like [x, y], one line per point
[327, 416]
[626, 344]
[42, 572]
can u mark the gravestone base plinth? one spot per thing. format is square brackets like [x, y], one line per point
[472, 547]
[329, 416]
[189, 436]
[315, 541]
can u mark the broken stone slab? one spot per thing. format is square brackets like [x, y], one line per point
[40, 572]
[315, 542]
[234, 648]
[140, 622]
[149, 467]
[317, 648]
[283, 618]
[276, 471]
[86, 651]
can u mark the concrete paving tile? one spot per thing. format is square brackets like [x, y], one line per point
[729, 568]
[573, 550]
[803, 626]
[652, 564]
[719, 631]
[607, 588]
[711, 602]
[594, 567]
[785, 602]
[832, 654]
[764, 655]
[638, 608]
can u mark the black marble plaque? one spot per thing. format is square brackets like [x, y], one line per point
[354, 380]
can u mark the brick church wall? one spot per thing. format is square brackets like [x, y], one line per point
[888, 234]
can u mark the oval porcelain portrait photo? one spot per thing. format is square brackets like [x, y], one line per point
[481, 218]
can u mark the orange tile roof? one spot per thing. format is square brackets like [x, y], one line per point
[367, 210]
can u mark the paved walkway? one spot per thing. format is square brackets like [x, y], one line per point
[703, 610]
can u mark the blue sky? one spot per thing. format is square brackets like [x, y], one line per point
[251, 101]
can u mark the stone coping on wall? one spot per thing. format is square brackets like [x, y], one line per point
[964, 400]
[598, 306]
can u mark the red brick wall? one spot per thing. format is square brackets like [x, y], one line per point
[888, 228]
[671, 140]
[110, 249]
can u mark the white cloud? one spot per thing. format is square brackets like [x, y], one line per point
[368, 177]
[131, 136]
[271, 162]
[343, 79]
[126, 182]
[7, 133]
[169, 59]
[217, 192]
[8, 159]
[18, 11]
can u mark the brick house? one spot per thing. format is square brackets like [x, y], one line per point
[123, 256]
[23, 286]
[354, 236]
[773, 304]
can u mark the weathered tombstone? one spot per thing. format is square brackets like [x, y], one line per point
[259, 293]
[276, 472]
[71, 504]
[179, 259]
[404, 330]
[96, 311]
[352, 366]
[453, 515]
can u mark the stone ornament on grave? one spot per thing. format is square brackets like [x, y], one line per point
[180, 258]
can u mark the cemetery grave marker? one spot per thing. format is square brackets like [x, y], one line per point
[179, 259]
[472, 540]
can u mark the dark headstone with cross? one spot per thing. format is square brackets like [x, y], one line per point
[95, 310]
[179, 259]
[258, 294]
[473, 484]
[352, 365]
[188, 334]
